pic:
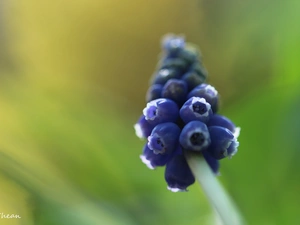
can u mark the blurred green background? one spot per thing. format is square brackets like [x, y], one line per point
[73, 76]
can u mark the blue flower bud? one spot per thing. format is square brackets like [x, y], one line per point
[154, 92]
[208, 92]
[221, 121]
[161, 110]
[194, 136]
[195, 109]
[190, 54]
[152, 160]
[175, 90]
[192, 79]
[173, 44]
[213, 163]
[177, 64]
[163, 75]
[142, 128]
[164, 138]
[223, 142]
[178, 174]
[199, 69]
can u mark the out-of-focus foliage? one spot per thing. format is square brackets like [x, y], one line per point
[73, 75]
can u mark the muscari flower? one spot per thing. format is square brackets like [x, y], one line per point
[208, 92]
[164, 138]
[180, 116]
[223, 142]
[178, 174]
[195, 109]
[195, 136]
[161, 110]
[175, 90]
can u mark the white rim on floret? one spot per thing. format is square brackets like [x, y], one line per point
[206, 136]
[146, 162]
[202, 100]
[138, 131]
[212, 90]
[152, 103]
[176, 189]
[235, 141]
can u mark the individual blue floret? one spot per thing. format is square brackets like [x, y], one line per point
[195, 109]
[194, 136]
[142, 128]
[178, 174]
[222, 121]
[154, 92]
[208, 92]
[164, 138]
[175, 90]
[163, 75]
[223, 142]
[213, 163]
[152, 160]
[160, 111]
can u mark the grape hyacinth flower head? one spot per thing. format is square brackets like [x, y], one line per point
[178, 174]
[164, 138]
[208, 92]
[161, 110]
[142, 128]
[154, 92]
[195, 109]
[180, 123]
[175, 90]
[223, 142]
[195, 136]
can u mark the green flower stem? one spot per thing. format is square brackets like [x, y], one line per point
[216, 194]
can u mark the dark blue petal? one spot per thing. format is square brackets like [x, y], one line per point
[163, 75]
[175, 90]
[164, 138]
[161, 110]
[222, 121]
[195, 109]
[223, 142]
[208, 92]
[178, 174]
[142, 128]
[153, 160]
[213, 163]
[154, 92]
[194, 136]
